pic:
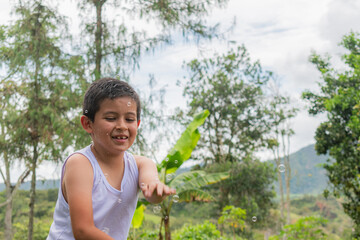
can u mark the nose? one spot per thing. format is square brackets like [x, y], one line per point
[121, 125]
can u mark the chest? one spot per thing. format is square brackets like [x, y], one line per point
[115, 185]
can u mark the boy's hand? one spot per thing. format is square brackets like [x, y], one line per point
[156, 191]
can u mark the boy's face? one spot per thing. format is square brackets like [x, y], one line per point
[115, 125]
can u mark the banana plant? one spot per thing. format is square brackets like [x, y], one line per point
[188, 185]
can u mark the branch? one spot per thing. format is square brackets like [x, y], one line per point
[18, 183]
[2, 175]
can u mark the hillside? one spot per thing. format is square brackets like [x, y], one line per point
[40, 185]
[308, 176]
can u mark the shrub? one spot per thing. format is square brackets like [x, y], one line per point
[205, 231]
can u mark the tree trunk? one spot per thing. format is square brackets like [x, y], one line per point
[10, 193]
[267, 234]
[98, 38]
[287, 180]
[167, 228]
[8, 219]
[160, 234]
[32, 193]
[8, 210]
[281, 190]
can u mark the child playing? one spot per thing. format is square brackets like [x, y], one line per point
[100, 183]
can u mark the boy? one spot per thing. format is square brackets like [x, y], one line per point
[99, 184]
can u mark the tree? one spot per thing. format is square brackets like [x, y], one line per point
[10, 150]
[110, 44]
[30, 50]
[113, 46]
[230, 86]
[279, 142]
[250, 187]
[339, 135]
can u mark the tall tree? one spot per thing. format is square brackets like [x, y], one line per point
[112, 45]
[48, 82]
[281, 113]
[339, 135]
[230, 86]
[10, 149]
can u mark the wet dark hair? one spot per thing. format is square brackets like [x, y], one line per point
[107, 88]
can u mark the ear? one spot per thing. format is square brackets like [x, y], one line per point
[138, 123]
[86, 123]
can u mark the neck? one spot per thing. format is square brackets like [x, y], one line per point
[106, 157]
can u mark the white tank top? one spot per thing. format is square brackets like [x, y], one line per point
[112, 209]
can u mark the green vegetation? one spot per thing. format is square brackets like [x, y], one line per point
[339, 135]
[306, 228]
[41, 72]
[230, 193]
[233, 218]
[188, 185]
[207, 230]
[195, 214]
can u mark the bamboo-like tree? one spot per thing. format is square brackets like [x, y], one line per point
[50, 84]
[10, 149]
[281, 113]
[112, 44]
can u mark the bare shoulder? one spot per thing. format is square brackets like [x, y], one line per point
[78, 168]
[77, 190]
[78, 160]
[78, 174]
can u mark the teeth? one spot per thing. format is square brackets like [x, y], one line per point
[120, 137]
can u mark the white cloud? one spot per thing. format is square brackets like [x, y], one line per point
[341, 18]
[281, 34]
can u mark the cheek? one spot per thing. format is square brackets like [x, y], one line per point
[134, 129]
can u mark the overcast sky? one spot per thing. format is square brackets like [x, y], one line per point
[281, 34]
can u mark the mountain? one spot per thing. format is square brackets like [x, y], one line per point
[40, 185]
[307, 174]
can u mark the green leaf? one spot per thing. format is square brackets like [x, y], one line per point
[138, 216]
[185, 144]
[195, 195]
[198, 181]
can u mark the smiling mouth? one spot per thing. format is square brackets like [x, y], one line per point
[120, 137]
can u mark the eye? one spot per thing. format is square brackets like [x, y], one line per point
[110, 119]
[130, 119]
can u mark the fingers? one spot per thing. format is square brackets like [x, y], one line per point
[169, 191]
[160, 188]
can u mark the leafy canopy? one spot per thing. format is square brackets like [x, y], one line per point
[339, 135]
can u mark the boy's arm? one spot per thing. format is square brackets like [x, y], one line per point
[77, 190]
[154, 190]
